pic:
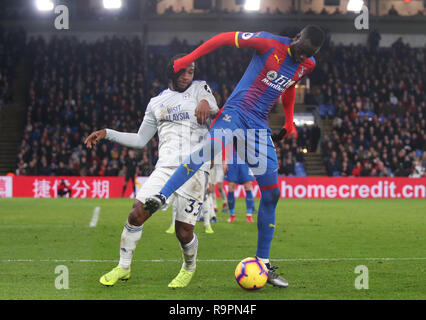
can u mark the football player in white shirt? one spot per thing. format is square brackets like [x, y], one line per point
[180, 114]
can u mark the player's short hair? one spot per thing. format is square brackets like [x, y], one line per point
[171, 75]
[315, 34]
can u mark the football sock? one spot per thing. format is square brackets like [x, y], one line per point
[231, 203]
[190, 165]
[266, 214]
[189, 254]
[223, 195]
[249, 202]
[212, 203]
[214, 200]
[129, 239]
[207, 210]
[174, 213]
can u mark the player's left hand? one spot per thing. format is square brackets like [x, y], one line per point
[202, 112]
[94, 138]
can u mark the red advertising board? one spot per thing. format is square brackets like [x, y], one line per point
[81, 187]
[290, 188]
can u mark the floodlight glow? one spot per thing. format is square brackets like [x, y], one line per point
[44, 5]
[112, 4]
[252, 5]
[355, 5]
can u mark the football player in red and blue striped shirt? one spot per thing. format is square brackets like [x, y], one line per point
[277, 65]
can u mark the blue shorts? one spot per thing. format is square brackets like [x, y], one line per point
[238, 173]
[253, 142]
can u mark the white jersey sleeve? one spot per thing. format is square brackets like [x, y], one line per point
[138, 140]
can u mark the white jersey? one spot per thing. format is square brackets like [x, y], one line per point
[179, 133]
[172, 114]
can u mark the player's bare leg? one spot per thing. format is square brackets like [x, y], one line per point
[130, 236]
[189, 244]
[225, 208]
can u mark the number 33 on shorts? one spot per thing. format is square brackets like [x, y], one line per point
[193, 207]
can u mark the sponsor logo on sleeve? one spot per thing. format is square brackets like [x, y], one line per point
[246, 35]
[207, 88]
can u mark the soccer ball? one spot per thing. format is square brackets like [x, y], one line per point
[251, 274]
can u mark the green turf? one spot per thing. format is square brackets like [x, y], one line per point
[38, 235]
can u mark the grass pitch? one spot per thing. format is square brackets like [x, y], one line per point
[317, 246]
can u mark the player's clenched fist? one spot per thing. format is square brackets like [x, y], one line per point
[94, 138]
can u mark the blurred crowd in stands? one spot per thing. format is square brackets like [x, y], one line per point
[76, 88]
[376, 100]
[11, 48]
[291, 151]
[374, 97]
[376, 147]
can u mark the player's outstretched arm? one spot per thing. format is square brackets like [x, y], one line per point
[235, 39]
[131, 140]
[222, 39]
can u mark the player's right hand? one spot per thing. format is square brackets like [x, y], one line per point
[202, 112]
[94, 138]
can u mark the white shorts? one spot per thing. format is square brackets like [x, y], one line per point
[216, 174]
[188, 198]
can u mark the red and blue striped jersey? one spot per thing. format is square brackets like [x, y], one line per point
[270, 73]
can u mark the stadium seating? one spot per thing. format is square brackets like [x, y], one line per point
[392, 106]
[327, 111]
[62, 108]
[300, 170]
